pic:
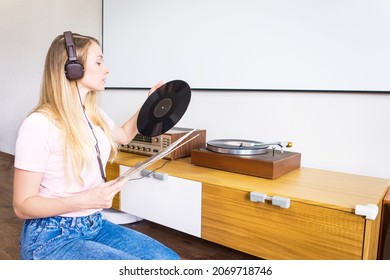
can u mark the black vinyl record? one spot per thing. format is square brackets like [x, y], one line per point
[164, 108]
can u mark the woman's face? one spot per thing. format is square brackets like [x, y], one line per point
[95, 71]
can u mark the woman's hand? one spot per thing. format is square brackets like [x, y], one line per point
[156, 86]
[102, 195]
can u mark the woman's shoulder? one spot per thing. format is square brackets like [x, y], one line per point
[38, 120]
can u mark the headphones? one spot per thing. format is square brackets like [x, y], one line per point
[74, 70]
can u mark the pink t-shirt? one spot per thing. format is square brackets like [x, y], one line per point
[39, 148]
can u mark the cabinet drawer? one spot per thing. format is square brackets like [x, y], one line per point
[173, 202]
[302, 231]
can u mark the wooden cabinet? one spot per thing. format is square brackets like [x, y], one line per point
[384, 242]
[303, 231]
[320, 222]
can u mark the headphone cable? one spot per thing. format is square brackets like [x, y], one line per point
[93, 133]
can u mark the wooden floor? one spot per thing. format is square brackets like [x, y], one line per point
[187, 246]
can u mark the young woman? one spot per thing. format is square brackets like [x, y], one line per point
[61, 150]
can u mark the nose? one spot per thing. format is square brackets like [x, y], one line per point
[106, 70]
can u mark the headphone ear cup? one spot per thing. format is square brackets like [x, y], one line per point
[74, 70]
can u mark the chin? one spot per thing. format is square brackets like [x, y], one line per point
[99, 89]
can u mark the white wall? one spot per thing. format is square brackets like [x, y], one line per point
[335, 131]
[26, 31]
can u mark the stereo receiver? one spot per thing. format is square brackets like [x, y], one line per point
[149, 146]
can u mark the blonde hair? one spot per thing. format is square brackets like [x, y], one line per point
[59, 100]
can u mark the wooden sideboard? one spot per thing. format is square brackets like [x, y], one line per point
[384, 241]
[320, 222]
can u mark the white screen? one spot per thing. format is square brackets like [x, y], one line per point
[316, 45]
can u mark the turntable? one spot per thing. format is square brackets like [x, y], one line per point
[248, 157]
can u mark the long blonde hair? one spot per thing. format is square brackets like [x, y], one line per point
[59, 100]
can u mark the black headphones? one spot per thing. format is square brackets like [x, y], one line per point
[74, 70]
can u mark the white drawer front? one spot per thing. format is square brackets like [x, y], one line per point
[173, 202]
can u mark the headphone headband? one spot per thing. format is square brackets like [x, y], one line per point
[73, 68]
[70, 47]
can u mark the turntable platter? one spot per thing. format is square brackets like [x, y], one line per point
[237, 147]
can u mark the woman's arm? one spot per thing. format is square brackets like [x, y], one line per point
[28, 204]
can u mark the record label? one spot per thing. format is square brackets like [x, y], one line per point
[162, 107]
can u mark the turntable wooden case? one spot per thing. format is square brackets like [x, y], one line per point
[270, 165]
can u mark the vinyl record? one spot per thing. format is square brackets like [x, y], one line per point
[164, 108]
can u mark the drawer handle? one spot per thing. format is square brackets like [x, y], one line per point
[282, 202]
[370, 211]
[156, 175]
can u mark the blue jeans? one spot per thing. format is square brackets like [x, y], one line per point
[87, 238]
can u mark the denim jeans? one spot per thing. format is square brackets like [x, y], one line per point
[87, 238]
